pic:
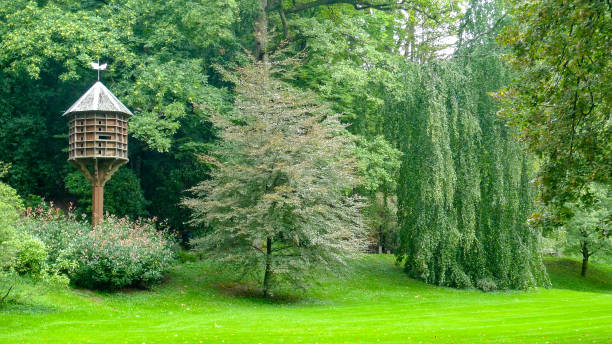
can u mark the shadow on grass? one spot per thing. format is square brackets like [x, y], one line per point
[255, 294]
[565, 274]
[20, 307]
[205, 277]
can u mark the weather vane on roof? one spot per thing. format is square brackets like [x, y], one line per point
[97, 66]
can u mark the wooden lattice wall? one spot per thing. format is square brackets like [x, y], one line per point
[98, 135]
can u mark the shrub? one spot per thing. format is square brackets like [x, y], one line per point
[34, 201]
[9, 212]
[118, 253]
[10, 206]
[31, 255]
[185, 256]
[20, 253]
[59, 232]
[486, 284]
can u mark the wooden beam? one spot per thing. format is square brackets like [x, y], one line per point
[102, 171]
[97, 205]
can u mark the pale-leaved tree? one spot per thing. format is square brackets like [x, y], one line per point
[280, 201]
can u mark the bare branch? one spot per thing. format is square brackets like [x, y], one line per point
[7, 293]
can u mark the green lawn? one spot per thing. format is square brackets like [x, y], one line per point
[375, 303]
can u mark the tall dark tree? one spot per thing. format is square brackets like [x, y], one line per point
[561, 100]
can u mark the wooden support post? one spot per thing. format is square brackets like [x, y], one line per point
[97, 205]
[103, 170]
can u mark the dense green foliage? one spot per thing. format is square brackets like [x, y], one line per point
[589, 231]
[561, 100]
[10, 205]
[20, 253]
[279, 201]
[463, 189]
[118, 253]
[123, 195]
[379, 167]
[375, 303]
[464, 194]
[466, 184]
[158, 55]
[445, 184]
[284, 137]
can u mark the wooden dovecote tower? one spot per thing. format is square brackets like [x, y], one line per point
[98, 140]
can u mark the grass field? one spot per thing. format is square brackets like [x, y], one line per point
[376, 303]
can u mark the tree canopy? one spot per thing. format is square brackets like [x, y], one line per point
[445, 184]
[279, 199]
[562, 100]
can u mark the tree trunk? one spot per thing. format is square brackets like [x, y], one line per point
[381, 229]
[585, 258]
[268, 273]
[410, 44]
[281, 12]
[261, 33]
[380, 240]
[261, 55]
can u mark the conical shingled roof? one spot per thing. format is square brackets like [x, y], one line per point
[98, 98]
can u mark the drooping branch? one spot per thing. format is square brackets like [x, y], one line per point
[358, 4]
[386, 5]
[490, 30]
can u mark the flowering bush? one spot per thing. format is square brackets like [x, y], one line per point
[59, 232]
[116, 254]
[119, 253]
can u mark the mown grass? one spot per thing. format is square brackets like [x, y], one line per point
[375, 303]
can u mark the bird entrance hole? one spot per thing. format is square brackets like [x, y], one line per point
[104, 137]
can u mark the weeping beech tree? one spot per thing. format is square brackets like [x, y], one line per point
[426, 184]
[464, 193]
[279, 202]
